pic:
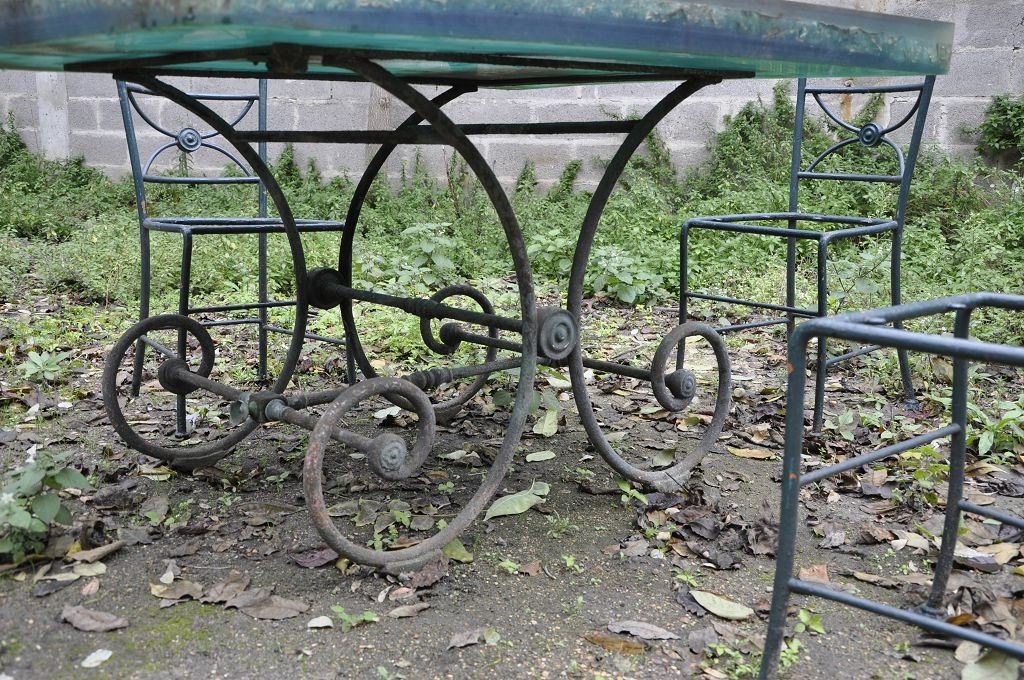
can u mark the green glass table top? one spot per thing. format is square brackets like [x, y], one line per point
[490, 42]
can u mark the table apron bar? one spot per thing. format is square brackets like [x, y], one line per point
[422, 307]
[422, 134]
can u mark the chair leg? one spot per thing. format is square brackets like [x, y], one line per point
[822, 368]
[181, 429]
[957, 463]
[684, 289]
[144, 286]
[819, 387]
[261, 369]
[788, 514]
[909, 398]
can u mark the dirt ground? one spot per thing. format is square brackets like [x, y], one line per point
[542, 587]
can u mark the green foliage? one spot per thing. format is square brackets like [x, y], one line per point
[30, 502]
[1002, 130]
[920, 473]
[349, 621]
[809, 621]
[43, 366]
[428, 231]
[49, 199]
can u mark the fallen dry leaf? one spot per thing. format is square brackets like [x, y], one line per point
[221, 592]
[176, 590]
[619, 644]
[642, 630]
[817, 573]
[488, 635]
[259, 603]
[721, 607]
[320, 622]
[96, 658]
[752, 453]
[96, 553]
[90, 620]
[89, 569]
[430, 573]
[311, 559]
[407, 610]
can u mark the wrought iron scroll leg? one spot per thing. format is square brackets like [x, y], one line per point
[354, 355]
[457, 139]
[581, 256]
[144, 286]
[181, 428]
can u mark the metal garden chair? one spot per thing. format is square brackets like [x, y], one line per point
[175, 148]
[823, 230]
[871, 327]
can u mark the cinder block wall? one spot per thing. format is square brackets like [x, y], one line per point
[76, 114]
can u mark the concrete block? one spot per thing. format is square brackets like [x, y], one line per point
[960, 118]
[90, 85]
[108, 114]
[630, 91]
[301, 90]
[543, 112]
[331, 115]
[687, 156]
[83, 114]
[974, 74]
[992, 25]
[20, 82]
[692, 122]
[507, 156]
[25, 111]
[490, 107]
[100, 148]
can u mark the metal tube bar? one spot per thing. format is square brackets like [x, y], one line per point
[759, 305]
[308, 421]
[927, 622]
[618, 369]
[875, 227]
[920, 342]
[950, 430]
[421, 134]
[853, 354]
[194, 379]
[992, 514]
[790, 501]
[241, 306]
[752, 324]
[422, 307]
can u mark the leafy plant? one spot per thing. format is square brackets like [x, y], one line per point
[809, 621]
[922, 470]
[570, 563]
[629, 492]
[30, 502]
[43, 366]
[509, 567]
[790, 652]
[349, 621]
[1002, 129]
[731, 662]
[559, 526]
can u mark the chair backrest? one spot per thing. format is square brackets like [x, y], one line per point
[171, 145]
[856, 135]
